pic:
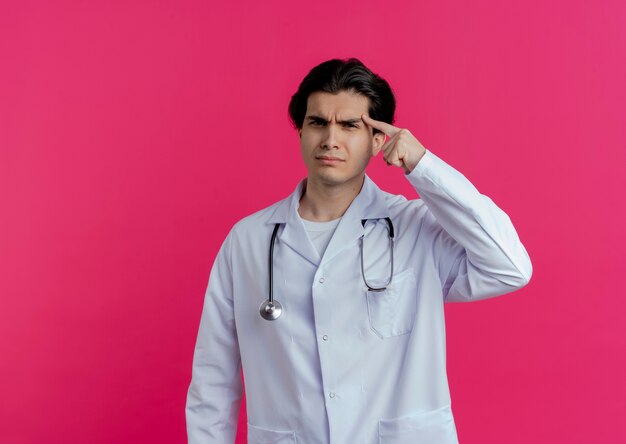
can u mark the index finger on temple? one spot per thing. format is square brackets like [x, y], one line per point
[386, 128]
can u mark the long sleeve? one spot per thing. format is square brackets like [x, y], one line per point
[476, 248]
[215, 391]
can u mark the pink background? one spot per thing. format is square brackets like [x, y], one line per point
[134, 134]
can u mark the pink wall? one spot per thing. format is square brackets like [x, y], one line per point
[134, 134]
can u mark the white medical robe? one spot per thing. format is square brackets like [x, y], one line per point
[344, 364]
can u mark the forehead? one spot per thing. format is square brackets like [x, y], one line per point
[343, 103]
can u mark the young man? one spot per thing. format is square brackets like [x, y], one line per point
[350, 346]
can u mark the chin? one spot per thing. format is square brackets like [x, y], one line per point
[333, 177]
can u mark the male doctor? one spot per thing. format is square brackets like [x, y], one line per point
[351, 349]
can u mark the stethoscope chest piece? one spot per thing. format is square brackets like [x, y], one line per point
[270, 310]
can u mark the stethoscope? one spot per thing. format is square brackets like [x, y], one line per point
[271, 309]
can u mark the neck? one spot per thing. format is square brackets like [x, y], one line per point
[321, 203]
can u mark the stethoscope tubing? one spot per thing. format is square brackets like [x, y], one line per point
[391, 244]
[271, 310]
[271, 262]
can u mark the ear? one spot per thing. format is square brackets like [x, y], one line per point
[377, 142]
[300, 133]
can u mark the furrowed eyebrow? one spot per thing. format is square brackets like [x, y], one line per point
[351, 121]
[321, 119]
[317, 118]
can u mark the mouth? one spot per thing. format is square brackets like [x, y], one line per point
[329, 160]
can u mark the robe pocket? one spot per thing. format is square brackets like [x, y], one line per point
[392, 311]
[429, 427]
[259, 435]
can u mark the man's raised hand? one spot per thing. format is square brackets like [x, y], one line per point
[402, 149]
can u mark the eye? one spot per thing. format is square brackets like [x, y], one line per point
[350, 125]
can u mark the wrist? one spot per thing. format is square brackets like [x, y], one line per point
[411, 165]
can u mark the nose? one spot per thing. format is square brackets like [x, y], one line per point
[330, 139]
